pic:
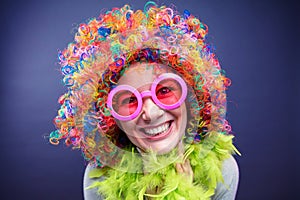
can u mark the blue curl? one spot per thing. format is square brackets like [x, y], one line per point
[104, 31]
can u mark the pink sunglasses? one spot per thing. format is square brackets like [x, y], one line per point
[168, 91]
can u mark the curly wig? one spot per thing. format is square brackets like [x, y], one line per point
[106, 46]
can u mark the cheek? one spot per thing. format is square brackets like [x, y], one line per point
[127, 127]
[180, 113]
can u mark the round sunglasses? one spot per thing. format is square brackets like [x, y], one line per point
[168, 91]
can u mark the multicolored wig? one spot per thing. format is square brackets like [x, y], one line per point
[102, 51]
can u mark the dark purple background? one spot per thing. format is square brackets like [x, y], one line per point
[256, 42]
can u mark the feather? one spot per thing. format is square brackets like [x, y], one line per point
[161, 176]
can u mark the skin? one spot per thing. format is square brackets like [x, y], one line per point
[141, 76]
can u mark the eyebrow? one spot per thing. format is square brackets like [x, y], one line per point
[141, 88]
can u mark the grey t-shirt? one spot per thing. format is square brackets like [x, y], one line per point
[224, 191]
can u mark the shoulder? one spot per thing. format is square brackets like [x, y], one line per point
[90, 194]
[227, 189]
[230, 170]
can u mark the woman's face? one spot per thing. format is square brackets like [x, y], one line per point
[154, 128]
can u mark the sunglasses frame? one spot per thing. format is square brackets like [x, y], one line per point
[146, 93]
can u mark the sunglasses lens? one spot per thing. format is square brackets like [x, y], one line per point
[125, 103]
[168, 91]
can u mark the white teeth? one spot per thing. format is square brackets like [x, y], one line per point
[155, 131]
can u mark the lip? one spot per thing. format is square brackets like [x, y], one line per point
[160, 136]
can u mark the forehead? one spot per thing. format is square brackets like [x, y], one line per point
[141, 74]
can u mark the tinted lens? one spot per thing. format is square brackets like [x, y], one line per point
[168, 91]
[124, 103]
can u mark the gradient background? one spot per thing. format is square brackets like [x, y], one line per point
[256, 41]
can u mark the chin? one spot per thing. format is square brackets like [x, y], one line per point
[162, 143]
[165, 150]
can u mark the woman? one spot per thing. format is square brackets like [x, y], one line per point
[146, 104]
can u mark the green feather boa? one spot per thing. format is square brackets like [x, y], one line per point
[206, 160]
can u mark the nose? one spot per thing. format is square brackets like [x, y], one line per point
[151, 111]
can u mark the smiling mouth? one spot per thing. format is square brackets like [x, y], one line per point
[158, 132]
